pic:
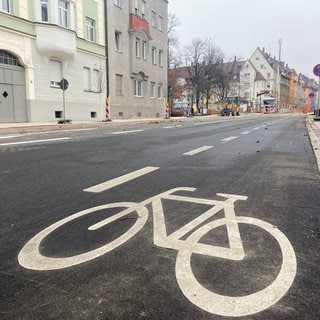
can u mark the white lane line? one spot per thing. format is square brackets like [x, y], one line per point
[120, 180]
[8, 137]
[195, 151]
[229, 139]
[124, 132]
[33, 141]
[70, 130]
[257, 128]
[245, 132]
[171, 127]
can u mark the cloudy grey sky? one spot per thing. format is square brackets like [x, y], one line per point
[240, 26]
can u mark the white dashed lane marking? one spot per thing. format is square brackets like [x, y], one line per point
[229, 139]
[120, 180]
[125, 132]
[195, 151]
[33, 141]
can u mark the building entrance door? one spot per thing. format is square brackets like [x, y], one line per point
[13, 104]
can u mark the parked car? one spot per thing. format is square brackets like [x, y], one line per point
[177, 111]
[227, 112]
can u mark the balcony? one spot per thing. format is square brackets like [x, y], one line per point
[137, 24]
[54, 41]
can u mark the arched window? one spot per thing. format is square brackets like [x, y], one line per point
[8, 58]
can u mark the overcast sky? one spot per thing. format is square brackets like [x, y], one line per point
[238, 27]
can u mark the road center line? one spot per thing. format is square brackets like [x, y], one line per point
[120, 180]
[245, 132]
[33, 141]
[124, 132]
[195, 151]
[229, 139]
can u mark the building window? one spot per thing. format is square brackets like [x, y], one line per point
[136, 7]
[159, 91]
[154, 19]
[154, 55]
[160, 58]
[144, 50]
[152, 90]
[117, 3]
[44, 11]
[138, 88]
[98, 82]
[119, 85]
[138, 47]
[4, 5]
[63, 13]
[55, 71]
[143, 9]
[160, 23]
[86, 79]
[8, 58]
[118, 40]
[90, 29]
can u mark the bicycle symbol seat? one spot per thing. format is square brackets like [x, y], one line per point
[31, 258]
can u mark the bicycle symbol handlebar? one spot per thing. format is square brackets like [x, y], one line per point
[31, 258]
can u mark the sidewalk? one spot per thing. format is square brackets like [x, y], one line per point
[40, 126]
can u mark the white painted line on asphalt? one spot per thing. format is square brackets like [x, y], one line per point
[120, 180]
[69, 130]
[33, 141]
[257, 128]
[229, 139]
[195, 151]
[171, 127]
[8, 137]
[124, 132]
[245, 132]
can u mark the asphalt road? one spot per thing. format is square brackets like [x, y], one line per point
[250, 253]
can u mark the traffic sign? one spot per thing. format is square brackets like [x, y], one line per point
[64, 84]
[316, 70]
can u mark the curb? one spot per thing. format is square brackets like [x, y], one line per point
[314, 139]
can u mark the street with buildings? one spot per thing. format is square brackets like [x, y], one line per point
[187, 218]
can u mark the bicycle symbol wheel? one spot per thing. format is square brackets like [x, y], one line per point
[241, 305]
[31, 258]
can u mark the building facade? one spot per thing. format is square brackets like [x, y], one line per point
[45, 41]
[137, 33]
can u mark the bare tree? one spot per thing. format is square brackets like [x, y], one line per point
[202, 59]
[173, 41]
[213, 60]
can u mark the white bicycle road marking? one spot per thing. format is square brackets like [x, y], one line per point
[198, 150]
[127, 131]
[33, 141]
[31, 258]
[229, 139]
[120, 180]
[233, 306]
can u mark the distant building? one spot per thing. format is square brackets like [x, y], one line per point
[43, 42]
[259, 84]
[137, 33]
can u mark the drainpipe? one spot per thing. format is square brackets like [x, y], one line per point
[108, 116]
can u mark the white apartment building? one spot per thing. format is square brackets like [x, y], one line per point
[45, 41]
